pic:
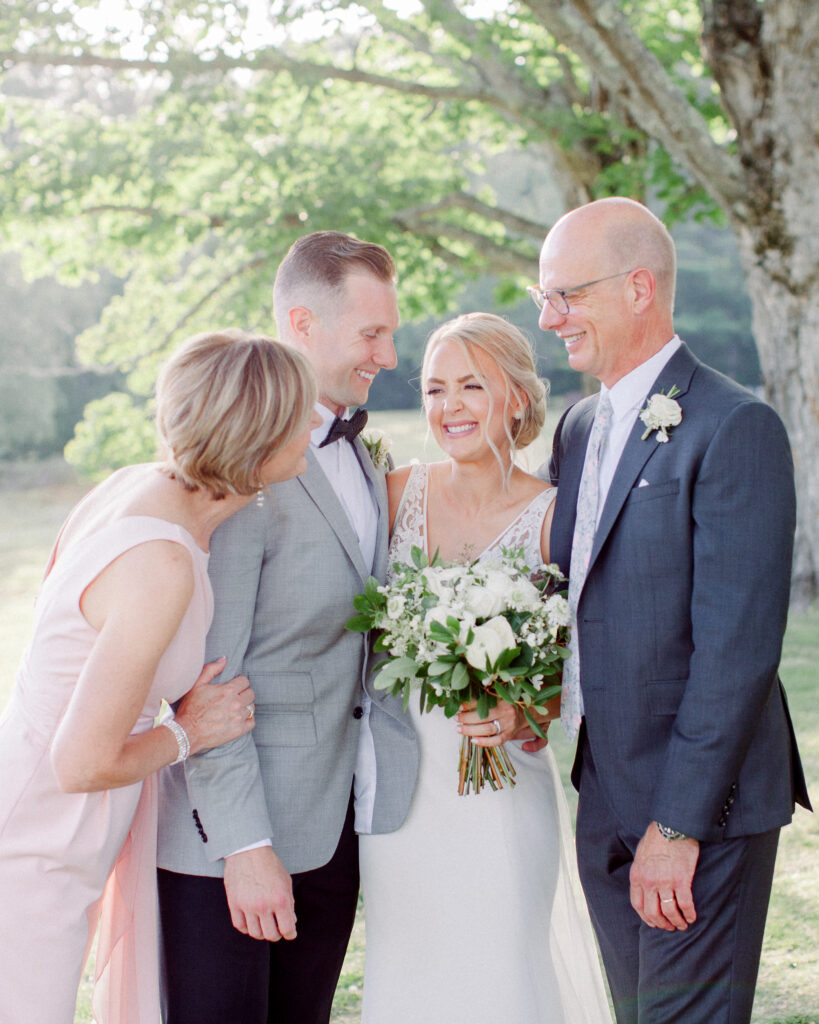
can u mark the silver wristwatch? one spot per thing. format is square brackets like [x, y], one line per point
[670, 833]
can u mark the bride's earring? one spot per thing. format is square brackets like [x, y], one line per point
[260, 496]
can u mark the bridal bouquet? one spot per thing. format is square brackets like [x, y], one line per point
[481, 633]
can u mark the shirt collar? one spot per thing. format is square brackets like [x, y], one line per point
[630, 391]
[317, 434]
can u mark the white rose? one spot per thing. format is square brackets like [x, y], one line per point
[490, 641]
[440, 581]
[373, 436]
[395, 606]
[665, 410]
[441, 612]
[524, 595]
[481, 601]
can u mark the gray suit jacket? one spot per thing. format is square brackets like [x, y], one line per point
[284, 577]
[683, 610]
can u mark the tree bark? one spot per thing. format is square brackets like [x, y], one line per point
[764, 59]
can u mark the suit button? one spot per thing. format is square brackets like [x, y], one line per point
[358, 712]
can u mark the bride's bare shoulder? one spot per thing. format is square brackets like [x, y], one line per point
[530, 486]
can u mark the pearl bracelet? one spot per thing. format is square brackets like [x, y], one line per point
[182, 741]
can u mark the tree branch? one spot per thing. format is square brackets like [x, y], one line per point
[464, 201]
[503, 259]
[598, 32]
[152, 211]
[223, 282]
[731, 35]
[261, 60]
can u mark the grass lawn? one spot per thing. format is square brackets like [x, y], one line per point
[788, 991]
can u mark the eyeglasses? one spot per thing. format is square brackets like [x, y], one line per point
[558, 297]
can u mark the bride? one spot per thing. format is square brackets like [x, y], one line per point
[471, 912]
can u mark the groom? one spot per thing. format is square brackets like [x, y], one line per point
[257, 838]
[676, 529]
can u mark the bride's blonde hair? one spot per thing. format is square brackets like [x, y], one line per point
[512, 352]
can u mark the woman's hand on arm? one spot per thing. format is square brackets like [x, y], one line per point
[214, 714]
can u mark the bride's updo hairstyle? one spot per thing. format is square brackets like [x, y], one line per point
[225, 403]
[512, 351]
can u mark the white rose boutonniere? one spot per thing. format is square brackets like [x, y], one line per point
[661, 414]
[378, 445]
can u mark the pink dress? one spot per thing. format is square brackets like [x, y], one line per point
[71, 860]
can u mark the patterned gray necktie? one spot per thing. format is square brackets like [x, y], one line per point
[585, 526]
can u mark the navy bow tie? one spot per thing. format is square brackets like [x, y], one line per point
[349, 429]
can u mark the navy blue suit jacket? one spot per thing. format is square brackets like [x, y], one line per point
[683, 611]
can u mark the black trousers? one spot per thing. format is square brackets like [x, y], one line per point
[704, 975]
[213, 974]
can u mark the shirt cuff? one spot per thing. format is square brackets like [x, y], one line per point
[253, 846]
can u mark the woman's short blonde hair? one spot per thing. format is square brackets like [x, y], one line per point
[512, 351]
[225, 403]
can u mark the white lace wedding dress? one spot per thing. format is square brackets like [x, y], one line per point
[472, 908]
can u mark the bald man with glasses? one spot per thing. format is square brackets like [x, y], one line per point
[674, 521]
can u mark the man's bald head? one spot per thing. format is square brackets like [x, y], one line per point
[624, 234]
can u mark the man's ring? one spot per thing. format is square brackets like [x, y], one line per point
[251, 710]
[668, 899]
[497, 726]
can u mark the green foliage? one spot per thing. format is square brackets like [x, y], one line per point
[189, 179]
[114, 433]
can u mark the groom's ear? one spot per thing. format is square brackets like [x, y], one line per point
[301, 319]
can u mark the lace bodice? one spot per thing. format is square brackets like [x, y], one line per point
[410, 528]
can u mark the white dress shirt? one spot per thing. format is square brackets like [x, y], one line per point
[339, 463]
[628, 396]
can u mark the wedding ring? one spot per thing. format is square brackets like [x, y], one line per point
[497, 725]
[251, 710]
[668, 899]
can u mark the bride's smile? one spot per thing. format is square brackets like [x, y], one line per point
[469, 405]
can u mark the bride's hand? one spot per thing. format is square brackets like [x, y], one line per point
[504, 721]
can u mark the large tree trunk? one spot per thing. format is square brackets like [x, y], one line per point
[764, 58]
[786, 328]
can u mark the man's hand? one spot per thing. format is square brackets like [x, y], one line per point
[549, 713]
[260, 895]
[661, 878]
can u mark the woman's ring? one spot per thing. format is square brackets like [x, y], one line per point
[251, 710]
[497, 725]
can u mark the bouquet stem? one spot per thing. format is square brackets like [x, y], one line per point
[483, 765]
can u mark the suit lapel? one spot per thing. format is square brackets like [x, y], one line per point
[378, 482]
[324, 497]
[571, 470]
[677, 371]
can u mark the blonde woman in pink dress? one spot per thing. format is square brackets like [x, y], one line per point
[120, 624]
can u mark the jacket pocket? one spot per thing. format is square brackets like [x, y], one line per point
[649, 492]
[665, 695]
[284, 709]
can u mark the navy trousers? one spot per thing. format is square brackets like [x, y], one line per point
[213, 974]
[704, 975]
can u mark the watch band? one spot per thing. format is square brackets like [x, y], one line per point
[670, 833]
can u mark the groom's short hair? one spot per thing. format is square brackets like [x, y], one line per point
[317, 265]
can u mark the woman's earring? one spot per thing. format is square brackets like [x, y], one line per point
[260, 496]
